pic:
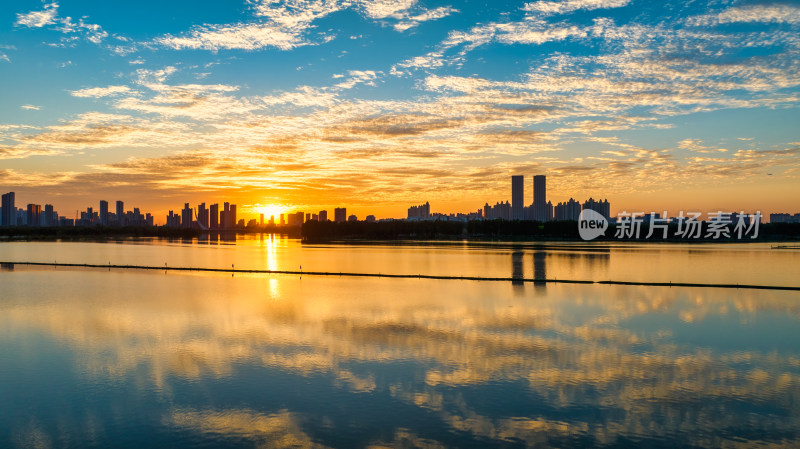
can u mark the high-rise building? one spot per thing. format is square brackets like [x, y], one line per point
[540, 209]
[569, 210]
[50, 217]
[104, 212]
[34, 214]
[601, 207]
[232, 214]
[517, 197]
[173, 220]
[501, 211]
[224, 216]
[323, 215]
[186, 216]
[421, 212]
[340, 214]
[121, 213]
[213, 216]
[202, 215]
[295, 219]
[9, 217]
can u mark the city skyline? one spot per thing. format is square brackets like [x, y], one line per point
[213, 218]
[305, 105]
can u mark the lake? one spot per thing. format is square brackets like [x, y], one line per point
[95, 357]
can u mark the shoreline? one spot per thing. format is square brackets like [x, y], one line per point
[9, 266]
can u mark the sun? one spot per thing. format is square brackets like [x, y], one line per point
[270, 210]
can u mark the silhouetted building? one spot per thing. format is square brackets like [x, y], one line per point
[370, 219]
[601, 207]
[784, 218]
[9, 217]
[421, 212]
[202, 216]
[517, 197]
[296, 219]
[228, 216]
[340, 214]
[352, 218]
[186, 216]
[121, 214]
[540, 205]
[570, 210]
[173, 220]
[50, 216]
[213, 216]
[104, 212]
[500, 211]
[323, 215]
[34, 214]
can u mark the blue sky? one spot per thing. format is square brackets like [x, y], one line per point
[380, 105]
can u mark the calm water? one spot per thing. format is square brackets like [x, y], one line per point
[113, 358]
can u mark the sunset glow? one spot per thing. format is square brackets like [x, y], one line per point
[270, 210]
[378, 106]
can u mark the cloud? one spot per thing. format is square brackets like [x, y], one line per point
[30, 107]
[775, 13]
[546, 8]
[38, 19]
[288, 24]
[359, 77]
[97, 92]
[238, 36]
[49, 17]
[410, 21]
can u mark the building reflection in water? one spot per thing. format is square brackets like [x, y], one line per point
[539, 269]
[517, 276]
[518, 270]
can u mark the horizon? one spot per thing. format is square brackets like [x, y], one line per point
[379, 106]
[278, 211]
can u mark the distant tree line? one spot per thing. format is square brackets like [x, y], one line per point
[315, 231]
[95, 231]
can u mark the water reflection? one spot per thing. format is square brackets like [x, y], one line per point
[713, 263]
[517, 271]
[340, 363]
[539, 269]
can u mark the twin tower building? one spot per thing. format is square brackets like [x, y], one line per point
[540, 209]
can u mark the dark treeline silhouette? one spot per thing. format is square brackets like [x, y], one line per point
[95, 231]
[444, 230]
[314, 231]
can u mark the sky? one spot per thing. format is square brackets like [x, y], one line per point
[379, 105]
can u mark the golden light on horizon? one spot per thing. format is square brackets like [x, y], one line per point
[270, 210]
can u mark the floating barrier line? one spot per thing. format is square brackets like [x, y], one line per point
[404, 276]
